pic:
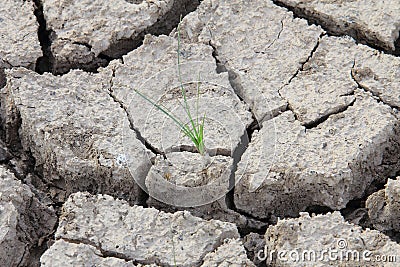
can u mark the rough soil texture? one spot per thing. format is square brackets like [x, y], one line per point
[19, 44]
[154, 236]
[378, 73]
[226, 116]
[325, 85]
[73, 129]
[176, 182]
[25, 223]
[231, 253]
[63, 253]
[384, 207]
[101, 29]
[300, 104]
[375, 23]
[328, 165]
[269, 47]
[327, 81]
[329, 233]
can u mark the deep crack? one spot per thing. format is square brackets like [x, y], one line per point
[220, 67]
[241, 148]
[244, 139]
[43, 63]
[237, 156]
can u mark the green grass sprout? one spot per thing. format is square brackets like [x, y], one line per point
[173, 245]
[194, 129]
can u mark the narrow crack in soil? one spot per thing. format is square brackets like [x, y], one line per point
[237, 156]
[23, 256]
[318, 121]
[301, 68]
[88, 46]
[121, 256]
[355, 212]
[104, 253]
[193, 149]
[12, 149]
[142, 194]
[322, 119]
[8, 64]
[131, 125]
[36, 251]
[273, 41]
[39, 249]
[397, 46]
[367, 90]
[28, 166]
[356, 33]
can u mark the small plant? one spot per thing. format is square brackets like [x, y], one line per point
[173, 244]
[195, 128]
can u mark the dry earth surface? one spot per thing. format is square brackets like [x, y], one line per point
[300, 104]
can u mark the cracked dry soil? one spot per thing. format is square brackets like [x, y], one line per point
[302, 131]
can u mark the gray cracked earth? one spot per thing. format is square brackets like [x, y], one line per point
[301, 125]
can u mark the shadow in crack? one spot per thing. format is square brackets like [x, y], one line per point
[43, 63]
[163, 26]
